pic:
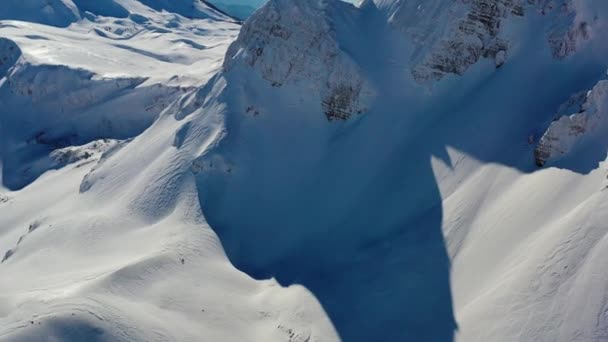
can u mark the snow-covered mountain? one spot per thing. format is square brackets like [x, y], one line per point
[400, 170]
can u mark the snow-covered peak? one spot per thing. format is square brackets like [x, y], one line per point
[281, 31]
[291, 39]
[290, 42]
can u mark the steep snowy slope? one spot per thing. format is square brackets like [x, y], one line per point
[346, 173]
[356, 210]
[134, 261]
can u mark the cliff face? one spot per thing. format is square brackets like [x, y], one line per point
[473, 35]
[568, 131]
[451, 37]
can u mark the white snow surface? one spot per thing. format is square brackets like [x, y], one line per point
[159, 185]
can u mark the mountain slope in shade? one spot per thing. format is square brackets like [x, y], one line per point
[331, 173]
[367, 226]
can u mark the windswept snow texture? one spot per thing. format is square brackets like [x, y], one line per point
[326, 172]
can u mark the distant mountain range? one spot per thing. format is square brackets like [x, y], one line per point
[236, 9]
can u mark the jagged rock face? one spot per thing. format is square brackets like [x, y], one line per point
[474, 37]
[460, 33]
[565, 44]
[75, 154]
[291, 42]
[568, 130]
[575, 29]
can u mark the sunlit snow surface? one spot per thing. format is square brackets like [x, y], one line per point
[151, 191]
[134, 261]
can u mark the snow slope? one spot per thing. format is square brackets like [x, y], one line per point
[343, 173]
[132, 261]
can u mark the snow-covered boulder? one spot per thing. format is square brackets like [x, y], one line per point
[292, 42]
[567, 131]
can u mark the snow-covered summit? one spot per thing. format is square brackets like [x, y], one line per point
[290, 42]
[441, 37]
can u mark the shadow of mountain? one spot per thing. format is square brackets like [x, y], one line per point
[70, 328]
[369, 246]
[353, 212]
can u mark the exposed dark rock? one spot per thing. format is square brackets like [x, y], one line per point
[566, 131]
[291, 42]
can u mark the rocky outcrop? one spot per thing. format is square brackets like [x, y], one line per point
[567, 131]
[342, 102]
[570, 30]
[565, 44]
[290, 42]
[469, 38]
[9, 54]
[84, 153]
[450, 37]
